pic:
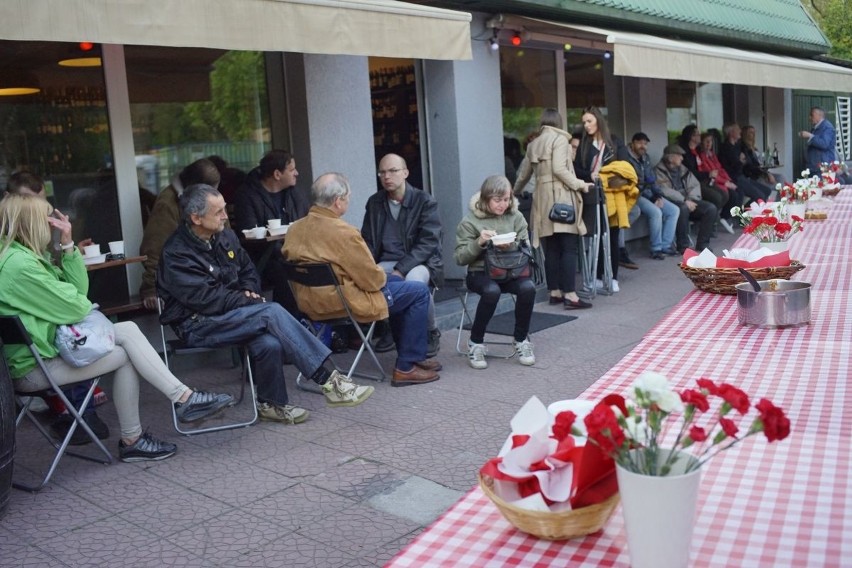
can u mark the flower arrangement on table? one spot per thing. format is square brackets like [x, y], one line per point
[802, 189]
[632, 431]
[768, 222]
[830, 170]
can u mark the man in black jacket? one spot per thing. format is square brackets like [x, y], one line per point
[269, 192]
[403, 231]
[211, 296]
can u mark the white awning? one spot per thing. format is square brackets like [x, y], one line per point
[639, 55]
[352, 27]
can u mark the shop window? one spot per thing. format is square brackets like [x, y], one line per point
[53, 120]
[527, 86]
[681, 108]
[584, 86]
[191, 103]
[396, 122]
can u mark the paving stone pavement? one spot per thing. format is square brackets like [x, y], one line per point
[340, 490]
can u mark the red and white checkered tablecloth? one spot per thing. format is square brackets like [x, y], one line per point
[780, 504]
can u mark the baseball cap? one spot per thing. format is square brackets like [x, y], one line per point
[640, 136]
[673, 149]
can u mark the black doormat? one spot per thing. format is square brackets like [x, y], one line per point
[504, 324]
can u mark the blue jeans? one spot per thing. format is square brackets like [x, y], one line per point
[271, 335]
[662, 223]
[408, 317]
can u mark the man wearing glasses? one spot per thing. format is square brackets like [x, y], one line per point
[403, 232]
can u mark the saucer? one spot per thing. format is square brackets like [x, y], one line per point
[94, 259]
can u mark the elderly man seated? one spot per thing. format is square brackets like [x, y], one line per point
[211, 296]
[323, 236]
[684, 190]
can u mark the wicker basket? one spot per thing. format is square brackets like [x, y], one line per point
[552, 526]
[724, 280]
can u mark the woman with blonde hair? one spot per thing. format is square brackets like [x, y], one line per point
[494, 211]
[45, 296]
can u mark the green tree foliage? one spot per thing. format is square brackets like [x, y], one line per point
[237, 84]
[835, 20]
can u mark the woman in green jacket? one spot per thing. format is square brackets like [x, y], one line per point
[44, 296]
[493, 211]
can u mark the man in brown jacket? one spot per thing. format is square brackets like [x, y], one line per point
[322, 236]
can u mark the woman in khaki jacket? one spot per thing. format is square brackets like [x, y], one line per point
[550, 157]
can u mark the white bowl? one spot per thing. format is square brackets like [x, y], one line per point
[504, 239]
[94, 259]
[282, 230]
[256, 233]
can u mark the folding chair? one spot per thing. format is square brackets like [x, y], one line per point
[13, 332]
[319, 275]
[466, 321]
[174, 347]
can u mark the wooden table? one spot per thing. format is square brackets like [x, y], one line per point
[119, 262]
[781, 504]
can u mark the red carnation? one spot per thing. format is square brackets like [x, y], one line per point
[729, 427]
[708, 385]
[796, 218]
[697, 433]
[562, 427]
[771, 221]
[603, 428]
[735, 397]
[696, 399]
[776, 426]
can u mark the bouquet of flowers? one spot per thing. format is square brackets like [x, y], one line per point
[632, 431]
[829, 170]
[768, 222]
[802, 189]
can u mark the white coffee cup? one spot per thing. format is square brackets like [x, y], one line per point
[92, 250]
[116, 247]
[259, 232]
[273, 223]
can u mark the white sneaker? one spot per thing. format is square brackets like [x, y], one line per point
[727, 225]
[339, 390]
[476, 355]
[524, 349]
[600, 285]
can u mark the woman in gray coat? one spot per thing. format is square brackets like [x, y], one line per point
[550, 157]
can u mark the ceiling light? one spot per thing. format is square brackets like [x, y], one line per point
[81, 62]
[15, 83]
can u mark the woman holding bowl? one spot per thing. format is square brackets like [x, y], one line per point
[494, 211]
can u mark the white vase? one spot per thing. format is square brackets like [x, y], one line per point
[659, 513]
[778, 246]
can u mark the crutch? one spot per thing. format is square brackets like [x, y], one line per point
[599, 238]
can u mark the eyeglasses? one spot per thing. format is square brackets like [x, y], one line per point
[390, 172]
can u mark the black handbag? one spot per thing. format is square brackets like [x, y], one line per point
[504, 265]
[562, 213]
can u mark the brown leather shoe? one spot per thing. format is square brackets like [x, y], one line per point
[415, 376]
[429, 365]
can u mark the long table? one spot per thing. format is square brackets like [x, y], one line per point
[782, 504]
